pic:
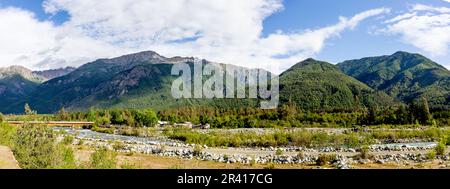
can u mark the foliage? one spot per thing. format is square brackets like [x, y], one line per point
[279, 152]
[431, 154]
[28, 110]
[320, 86]
[325, 159]
[364, 152]
[278, 138]
[404, 76]
[197, 150]
[102, 158]
[35, 147]
[68, 140]
[440, 148]
[7, 133]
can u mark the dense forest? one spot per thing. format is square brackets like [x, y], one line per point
[288, 115]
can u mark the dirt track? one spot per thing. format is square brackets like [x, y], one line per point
[7, 160]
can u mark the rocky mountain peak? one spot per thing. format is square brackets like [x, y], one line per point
[145, 56]
[19, 70]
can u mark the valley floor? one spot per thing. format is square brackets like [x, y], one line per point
[145, 161]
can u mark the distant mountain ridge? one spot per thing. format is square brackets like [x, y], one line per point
[404, 76]
[54, 73]
[143, 80]
[18, 82]
[22, 71]
[118, 82]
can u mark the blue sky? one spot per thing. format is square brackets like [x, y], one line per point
[370, 37]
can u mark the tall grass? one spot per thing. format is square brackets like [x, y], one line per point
[302, 138]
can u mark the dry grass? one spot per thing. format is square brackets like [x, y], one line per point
[143, 161]
[7, 160]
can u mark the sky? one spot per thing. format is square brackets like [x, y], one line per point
[269, 34]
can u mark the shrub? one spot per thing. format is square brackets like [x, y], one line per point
[35, 147]
[431, 154]
[279, 152]
[325, 159]
[67, 140]
[440, 148]
[102, 158]
[364, 152]
[117, 146]
[68, 158]
[7, 133]
[197, 150]
[301, 155]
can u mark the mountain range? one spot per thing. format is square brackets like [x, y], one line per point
[143, 80]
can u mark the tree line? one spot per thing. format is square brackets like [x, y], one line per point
[287, 115]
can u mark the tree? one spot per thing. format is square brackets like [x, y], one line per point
[420, 111]
[28, 110]
[146, 118]
[1, 118]
[62, 114]
[92, 115]
[288, 111]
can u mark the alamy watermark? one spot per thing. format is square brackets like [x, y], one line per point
[199, 80]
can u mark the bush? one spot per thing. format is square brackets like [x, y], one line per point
[431, 154]
[279, 152]
[68, 158]
[7, 133]
[197, 150]
[440, 148]
[35, 147]
[102, 158]
[325, 159]
[68, 140]
[117, 146]
[364, 152]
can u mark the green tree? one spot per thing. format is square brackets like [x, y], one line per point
[146, 118]
[1, 118]
[420, 111]
[62, 114]
[288, 111]
[28, 110]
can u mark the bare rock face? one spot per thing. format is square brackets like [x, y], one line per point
[54, 73]
[146, 56]
[22, 71]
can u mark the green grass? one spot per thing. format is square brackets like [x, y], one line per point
[301, 138]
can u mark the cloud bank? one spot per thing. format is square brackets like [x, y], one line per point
[229, 31]
[425, 27]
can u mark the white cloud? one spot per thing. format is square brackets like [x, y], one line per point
[221, 30]
[425, 27]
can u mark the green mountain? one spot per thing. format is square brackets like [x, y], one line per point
[144, 80]
[404, 76]
[14, 88]
[140, 80]
[321, 86]
[16, 83]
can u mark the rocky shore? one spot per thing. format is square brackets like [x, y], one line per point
[343, 157]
